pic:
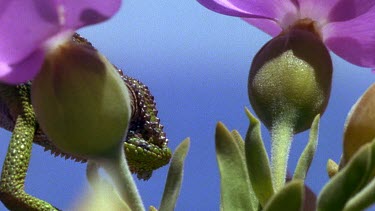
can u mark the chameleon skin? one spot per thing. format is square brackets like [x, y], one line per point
[145, 145]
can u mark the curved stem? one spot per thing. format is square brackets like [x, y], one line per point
[282, 133]
[118, 169]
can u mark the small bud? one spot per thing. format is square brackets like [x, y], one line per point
[80, 101]
[290, 79]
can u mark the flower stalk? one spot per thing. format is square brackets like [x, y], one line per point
[282, 134]
[118, 169]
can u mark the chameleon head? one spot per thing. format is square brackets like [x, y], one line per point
[146, 143]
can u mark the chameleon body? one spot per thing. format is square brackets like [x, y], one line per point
[145, 145]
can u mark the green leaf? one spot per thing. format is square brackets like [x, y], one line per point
[174, 178]
[257, 161]
[363, 199]
[290, 197]
[308, 153]
[359, 127]
[349, 181]
[235, 182]
[241, 144]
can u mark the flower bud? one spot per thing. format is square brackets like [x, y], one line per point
[290, 79]
[360, 124]
[80, 101]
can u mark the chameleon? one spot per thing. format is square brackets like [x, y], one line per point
[145, 145]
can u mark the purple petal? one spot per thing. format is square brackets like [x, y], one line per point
[266, 9]
[270, 27]
[325, 11]
[23, 32]
[274, 27]
[27, 25]
[317, 10]
[349, 9]
[85, 12]
[24, 70]
[353, 40]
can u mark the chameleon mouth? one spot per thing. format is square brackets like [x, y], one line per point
[143, 157]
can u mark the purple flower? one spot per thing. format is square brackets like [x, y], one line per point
[29, 29]
[345, 26]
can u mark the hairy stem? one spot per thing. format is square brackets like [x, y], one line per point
[282, 133]
[118, 169]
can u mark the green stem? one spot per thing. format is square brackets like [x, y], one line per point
[282, 133]
[117, 168]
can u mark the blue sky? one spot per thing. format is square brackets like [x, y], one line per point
[196, 64]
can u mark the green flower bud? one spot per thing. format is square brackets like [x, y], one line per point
[290, 79]
[80, 101]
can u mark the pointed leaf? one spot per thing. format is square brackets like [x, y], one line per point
[174, 178]
[349, 181]
[290, 197]
[241, 145]
[234, 179]
[360, 123]
[257, 161]
[308, 153]
[240, 142]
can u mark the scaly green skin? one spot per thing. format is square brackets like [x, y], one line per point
[145, 145]
[14, 171]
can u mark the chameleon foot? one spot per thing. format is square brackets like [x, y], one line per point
[17, 160]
